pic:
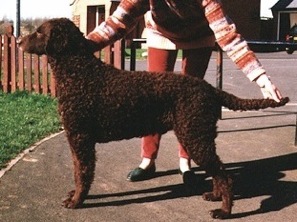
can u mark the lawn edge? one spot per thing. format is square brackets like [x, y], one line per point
[26, 151]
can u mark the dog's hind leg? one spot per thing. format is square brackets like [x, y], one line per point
[199, 142]
[222, 188]
[222, 184]
[84, 158]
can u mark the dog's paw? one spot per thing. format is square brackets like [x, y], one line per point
[219, 214]
[71, 193]
[209, 196]
[71, 204]
[68, 203]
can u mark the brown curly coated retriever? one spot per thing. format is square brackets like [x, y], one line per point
[99, 103]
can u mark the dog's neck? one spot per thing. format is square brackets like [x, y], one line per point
[60, 59]
[64, 63]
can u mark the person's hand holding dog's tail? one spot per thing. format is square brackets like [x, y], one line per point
[268, 89]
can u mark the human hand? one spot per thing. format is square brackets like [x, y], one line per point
[92, 46]
[268, 89]
[94, 42]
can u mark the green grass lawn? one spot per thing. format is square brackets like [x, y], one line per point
[139, 53]
[25, 119]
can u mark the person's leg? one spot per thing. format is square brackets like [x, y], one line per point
[159, 60]
[194, 63]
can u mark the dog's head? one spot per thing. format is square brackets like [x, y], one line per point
[55, 37]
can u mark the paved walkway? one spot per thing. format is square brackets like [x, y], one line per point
[257, 147]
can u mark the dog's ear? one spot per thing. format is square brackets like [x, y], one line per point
[65, 37]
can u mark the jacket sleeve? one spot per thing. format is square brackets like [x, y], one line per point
[230, 41]
[120, 23]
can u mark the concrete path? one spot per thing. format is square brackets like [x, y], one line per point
[257, 148]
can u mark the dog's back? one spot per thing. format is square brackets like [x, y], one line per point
[146, 98]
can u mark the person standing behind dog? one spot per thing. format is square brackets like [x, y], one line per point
[192, 26]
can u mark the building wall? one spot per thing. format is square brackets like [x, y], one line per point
[246, 16]
[283, 22]
[80, 11]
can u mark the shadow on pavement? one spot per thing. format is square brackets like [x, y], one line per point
[251, 179]
[264, 178]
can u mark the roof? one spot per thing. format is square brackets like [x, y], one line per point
[285, 4]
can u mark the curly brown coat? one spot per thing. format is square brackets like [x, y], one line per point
[99, 103]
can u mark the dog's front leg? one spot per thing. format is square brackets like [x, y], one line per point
[83, 155]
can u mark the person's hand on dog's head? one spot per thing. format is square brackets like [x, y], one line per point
[93, 46]
[95, 42]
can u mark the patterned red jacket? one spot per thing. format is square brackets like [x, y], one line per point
[184, 24]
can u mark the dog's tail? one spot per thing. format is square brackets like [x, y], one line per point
[235, 103]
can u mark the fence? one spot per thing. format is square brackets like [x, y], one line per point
[22, 71]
